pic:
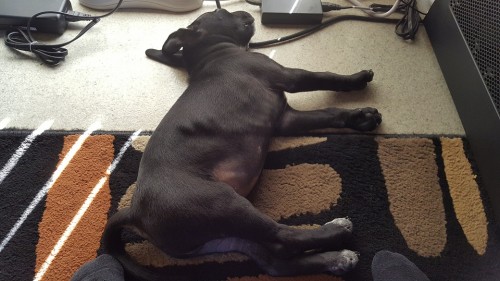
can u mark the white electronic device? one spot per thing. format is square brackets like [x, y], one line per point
[167, 5]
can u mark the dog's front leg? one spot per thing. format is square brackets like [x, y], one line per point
[299, 80]
[294, 122]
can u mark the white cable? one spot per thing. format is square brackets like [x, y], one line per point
[375, 14]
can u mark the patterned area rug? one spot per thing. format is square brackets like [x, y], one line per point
[418, 196]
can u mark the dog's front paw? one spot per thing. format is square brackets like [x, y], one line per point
[364, 119]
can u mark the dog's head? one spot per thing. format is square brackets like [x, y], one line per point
[236, 28]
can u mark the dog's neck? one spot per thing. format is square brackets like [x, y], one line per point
[213, 47]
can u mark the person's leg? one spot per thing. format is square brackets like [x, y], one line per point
[104, 267]
[389, 266]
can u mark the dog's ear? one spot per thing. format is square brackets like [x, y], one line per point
[181, 38]
[171, 53]
[174, 60]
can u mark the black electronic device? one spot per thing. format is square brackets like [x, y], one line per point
[465, 35]
[291, 12]
[19, 12]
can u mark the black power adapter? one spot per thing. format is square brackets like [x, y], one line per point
[19, 12]
[291, 12]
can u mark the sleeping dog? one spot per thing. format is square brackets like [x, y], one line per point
[207, 153]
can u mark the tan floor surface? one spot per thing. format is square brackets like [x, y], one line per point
[107, 78]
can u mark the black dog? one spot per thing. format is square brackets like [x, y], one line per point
[207, 153]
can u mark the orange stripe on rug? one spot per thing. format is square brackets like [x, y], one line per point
[65, 199]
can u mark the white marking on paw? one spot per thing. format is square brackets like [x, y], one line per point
[346, 262]
[345, 222]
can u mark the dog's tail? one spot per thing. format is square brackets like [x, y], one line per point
[253, 250]
[113, 245]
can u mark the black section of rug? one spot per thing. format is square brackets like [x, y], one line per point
[17, 191]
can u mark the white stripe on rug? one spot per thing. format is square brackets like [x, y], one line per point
[76, 219]
[48, 185]
[25, 145]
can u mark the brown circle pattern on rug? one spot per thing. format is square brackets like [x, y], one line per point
[295, 190]
[140, 143]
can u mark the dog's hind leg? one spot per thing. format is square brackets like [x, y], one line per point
[336, 262]
[361, 119]
[214, 218]
[235, 216]
[282, 250]
[213, 210]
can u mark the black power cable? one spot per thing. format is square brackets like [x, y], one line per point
[406, 27]
[20, 38]
[311, 30]
[254, 2]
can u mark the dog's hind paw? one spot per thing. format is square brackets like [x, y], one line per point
[342, 262]
[344, 222]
